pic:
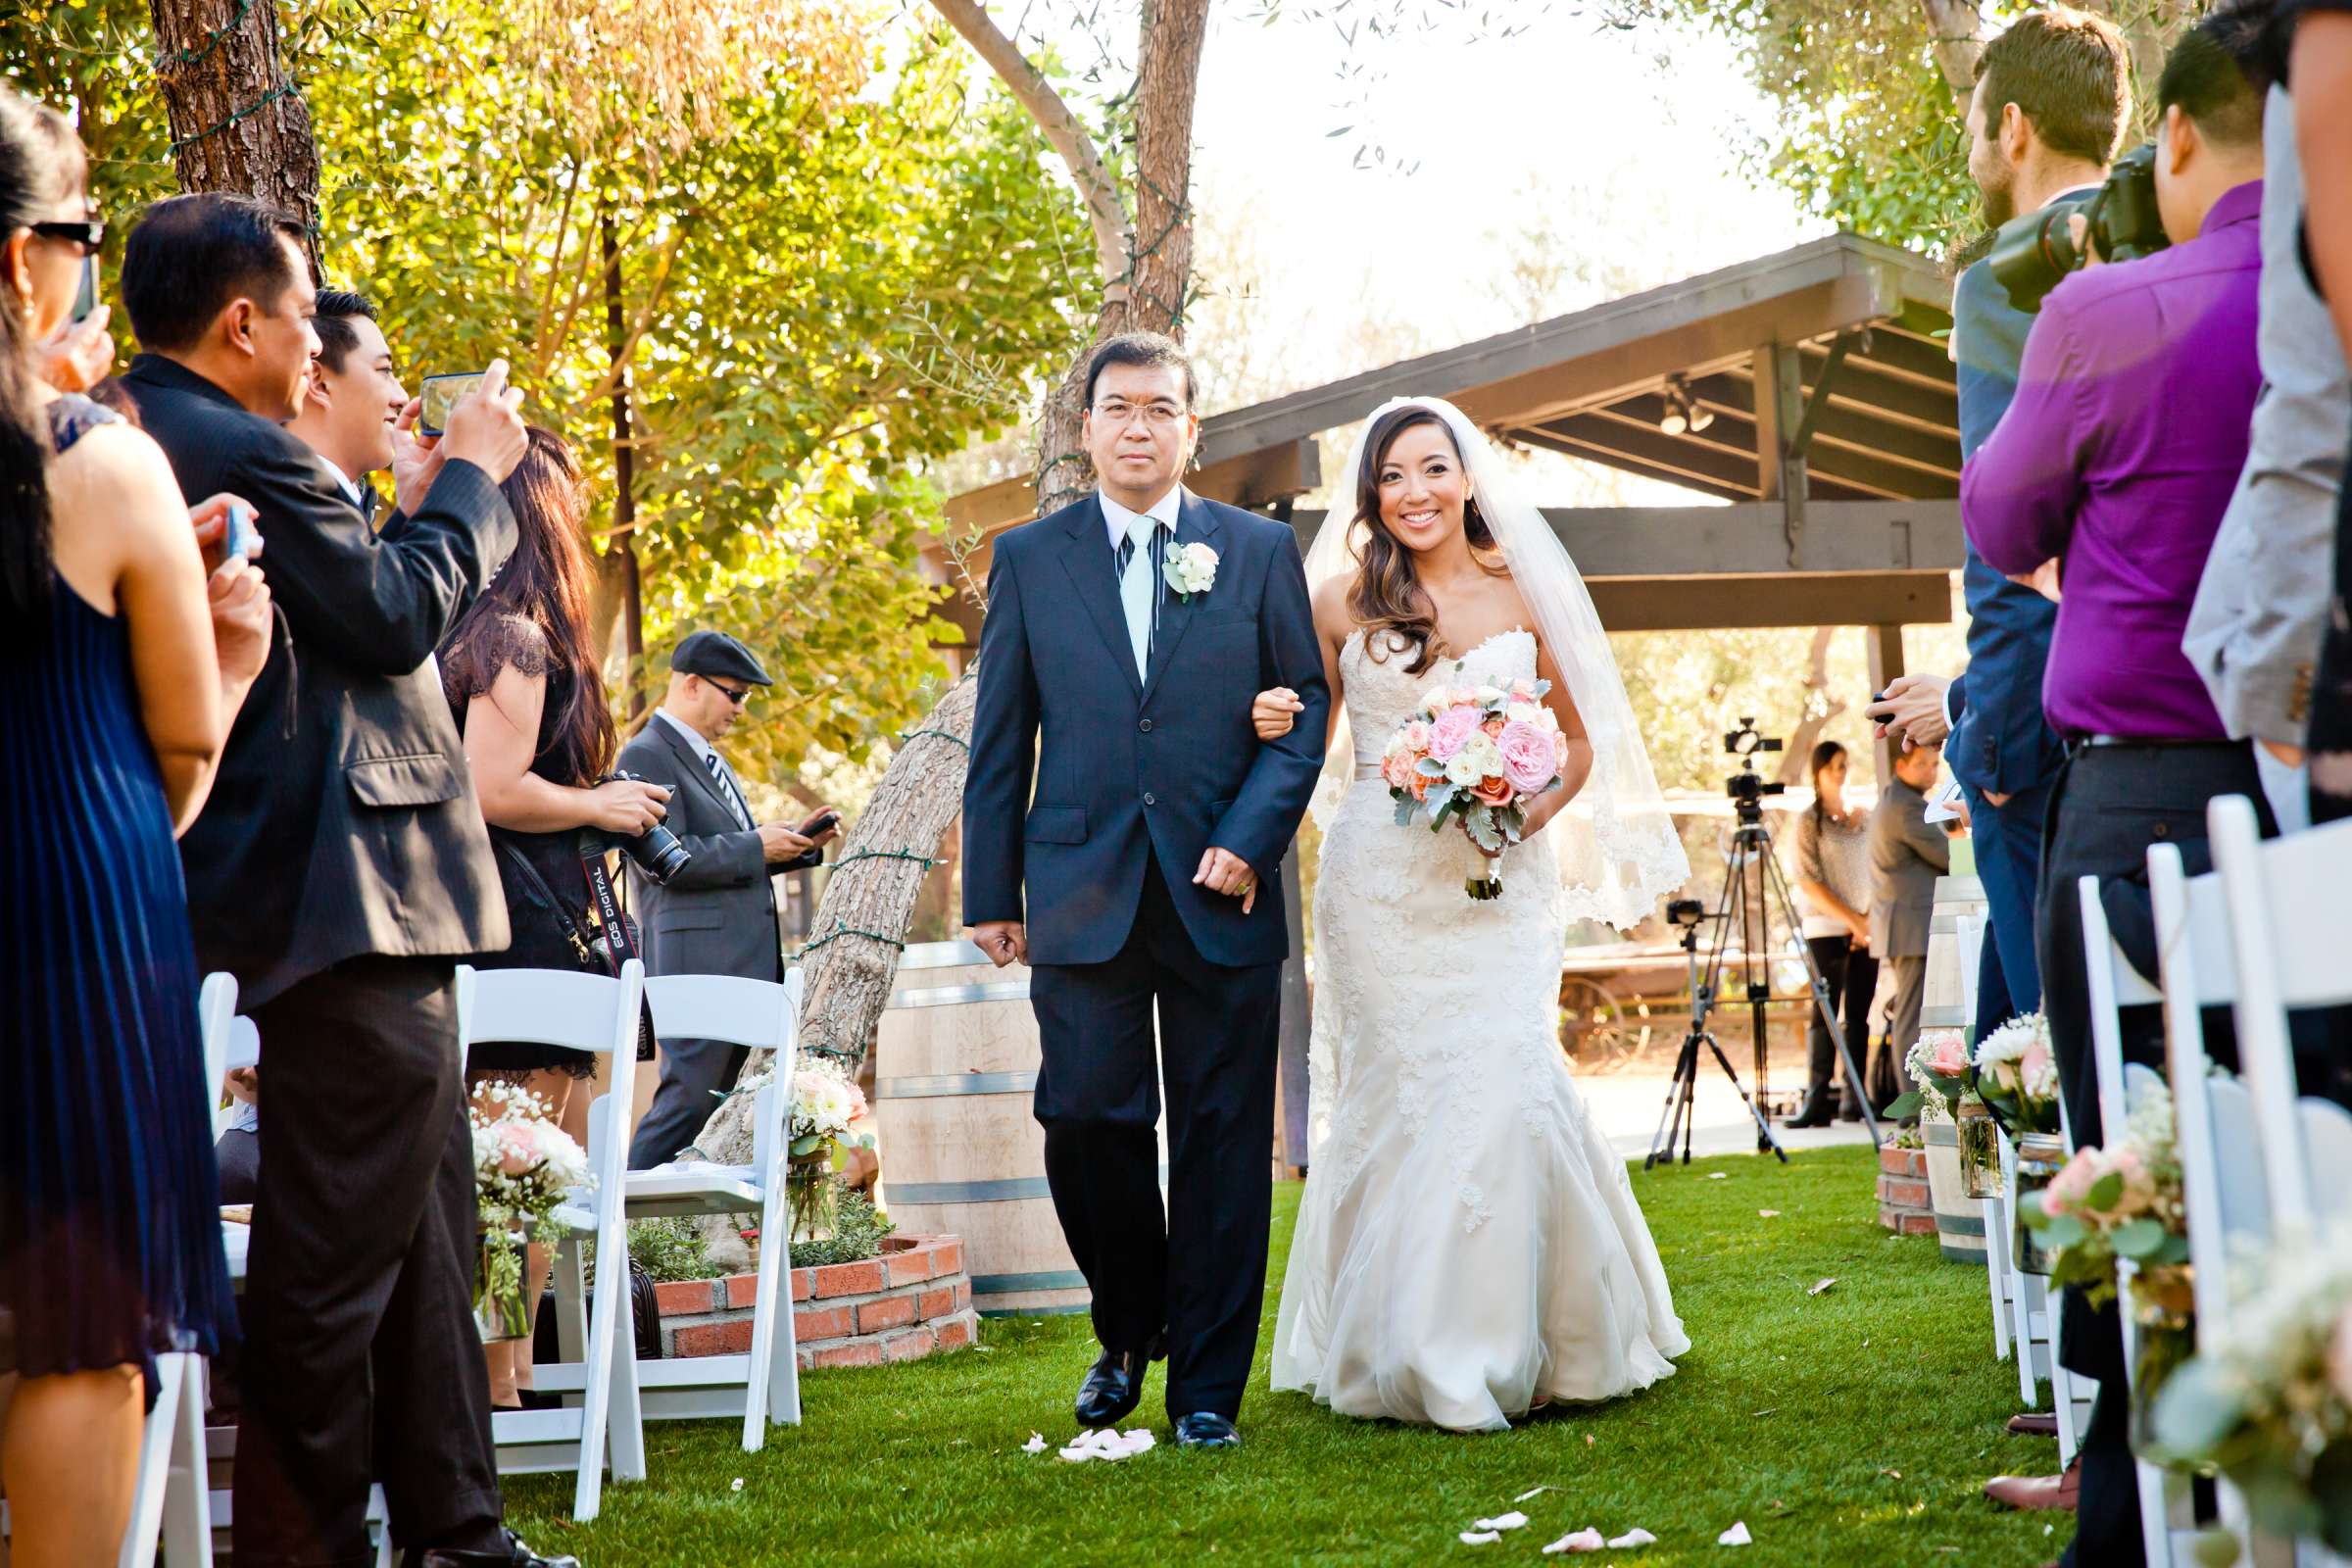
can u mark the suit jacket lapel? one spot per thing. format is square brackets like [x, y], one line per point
[1194, 525]
[1087, 559]
[692, 766]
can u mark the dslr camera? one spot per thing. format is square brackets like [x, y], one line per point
[656, 852]
[2033, 252]
[1747, 786]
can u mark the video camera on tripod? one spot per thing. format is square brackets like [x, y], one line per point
[1754, 891]
[1748, 787]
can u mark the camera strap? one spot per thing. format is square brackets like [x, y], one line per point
[619, 945]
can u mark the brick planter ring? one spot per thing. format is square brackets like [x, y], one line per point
[913, 1301]
[1904, 1203]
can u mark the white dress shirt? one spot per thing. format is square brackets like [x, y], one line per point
[351, 488]
[713, 763]
[1117, 519]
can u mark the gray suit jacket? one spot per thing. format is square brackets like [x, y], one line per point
[2254, 631]
[718, 915]
[1906, 856]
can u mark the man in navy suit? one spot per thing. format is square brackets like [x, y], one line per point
[2053, 95]
[1121, 820]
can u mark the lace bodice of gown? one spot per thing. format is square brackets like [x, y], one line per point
[1381, 694]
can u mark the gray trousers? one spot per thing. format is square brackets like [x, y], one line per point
[694, 1074]
[1903, 1016]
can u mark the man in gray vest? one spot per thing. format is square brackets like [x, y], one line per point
[717, 914]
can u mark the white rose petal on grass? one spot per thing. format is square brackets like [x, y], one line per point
[1035, 1444]
[1717, 1175]
[1768, 1213]
[1530, 1493]
[1635, 1537]
[1581, 1541]
[1481, 1537]
[1737, 1535]
[1819, 1285]
[736, 1485]
[1509, 1521]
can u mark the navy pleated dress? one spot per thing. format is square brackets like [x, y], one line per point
[110, 1225]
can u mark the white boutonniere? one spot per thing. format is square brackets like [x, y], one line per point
[1190, 569]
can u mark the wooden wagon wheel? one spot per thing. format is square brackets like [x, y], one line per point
[1600, 1031]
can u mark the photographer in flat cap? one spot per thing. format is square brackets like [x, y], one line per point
[716, 912]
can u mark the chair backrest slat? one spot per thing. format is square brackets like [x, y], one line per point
[2327, 1129]
[538, 1007]
[718, 1007]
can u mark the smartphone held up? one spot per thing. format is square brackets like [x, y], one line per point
[440, 393]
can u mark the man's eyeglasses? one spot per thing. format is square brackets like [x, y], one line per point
[1159, 416]
[738, 695]
[89, 234]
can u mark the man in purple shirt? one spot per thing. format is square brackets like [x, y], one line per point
[2116, 460]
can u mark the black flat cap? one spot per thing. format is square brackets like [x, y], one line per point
[715, 653]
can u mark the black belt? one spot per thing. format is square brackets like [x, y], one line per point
[2077, 745]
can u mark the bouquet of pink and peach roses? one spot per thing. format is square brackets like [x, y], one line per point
[1476, 755]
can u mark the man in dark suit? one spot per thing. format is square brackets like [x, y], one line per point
[354, 398]
[717, 913]
[1906, 856]
[1126, 635]
[338, 870]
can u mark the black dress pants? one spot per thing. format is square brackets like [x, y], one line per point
[361, 1361]
[2109, 806]
[1195, 1270]
[1851, 976]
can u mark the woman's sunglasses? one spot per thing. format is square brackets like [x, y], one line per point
[89, 234]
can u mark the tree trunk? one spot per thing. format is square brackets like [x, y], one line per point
[853, 954]
[1955, 33]
[237, 122]
[628, 588]
[1160, 265]
[863, 915]
[1808, 730]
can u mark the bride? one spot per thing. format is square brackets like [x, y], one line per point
[1468, 1246]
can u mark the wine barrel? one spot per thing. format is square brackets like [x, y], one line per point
[955, 1066]
[1955, 941]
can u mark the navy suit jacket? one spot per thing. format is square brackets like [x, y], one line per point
[2000, 743]
[1124, 768]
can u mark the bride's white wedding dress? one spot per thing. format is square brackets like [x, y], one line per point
[1468, 1244]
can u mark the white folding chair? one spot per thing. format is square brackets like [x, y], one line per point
[2286, 932]
[2213, 1122]
[765, 1384]
[2167, 1507]
[2000, 1272]
[595, 1014]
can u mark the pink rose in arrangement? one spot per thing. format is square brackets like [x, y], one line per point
[2073, 1184]
[1452, 732]
[1559, 751]
[1949, 1058]
[1494, 791]
[2034, 1069]
[1493, 727]
[1529, 760]
[2140, 1184]
[1397, 770]
[1415, 736]
[518, 1149]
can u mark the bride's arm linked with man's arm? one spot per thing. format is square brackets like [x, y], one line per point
[1257, 828]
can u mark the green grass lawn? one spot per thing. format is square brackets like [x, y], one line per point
[1851, 1427]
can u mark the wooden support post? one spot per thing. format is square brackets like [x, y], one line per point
[1780, 383]
[1886, 645]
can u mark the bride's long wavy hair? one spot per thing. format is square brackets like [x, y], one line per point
[1387, 596]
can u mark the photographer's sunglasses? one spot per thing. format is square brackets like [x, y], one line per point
[738, 695]
[89, 234]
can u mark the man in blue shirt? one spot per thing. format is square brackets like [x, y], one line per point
[2053, 94]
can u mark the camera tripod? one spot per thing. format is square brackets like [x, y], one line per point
[1754, 885]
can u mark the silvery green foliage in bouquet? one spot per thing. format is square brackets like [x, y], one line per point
[525, 1166]
[1476, 755]
[2017, 1074]
[2268, 1399]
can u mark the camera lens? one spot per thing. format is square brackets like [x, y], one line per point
[659, 853]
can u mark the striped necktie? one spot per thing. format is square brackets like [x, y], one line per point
[1140, 588]
[725, 778]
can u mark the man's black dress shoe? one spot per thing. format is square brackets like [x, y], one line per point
[1115, 1385]
[1205, 1429]
[514, 1555]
